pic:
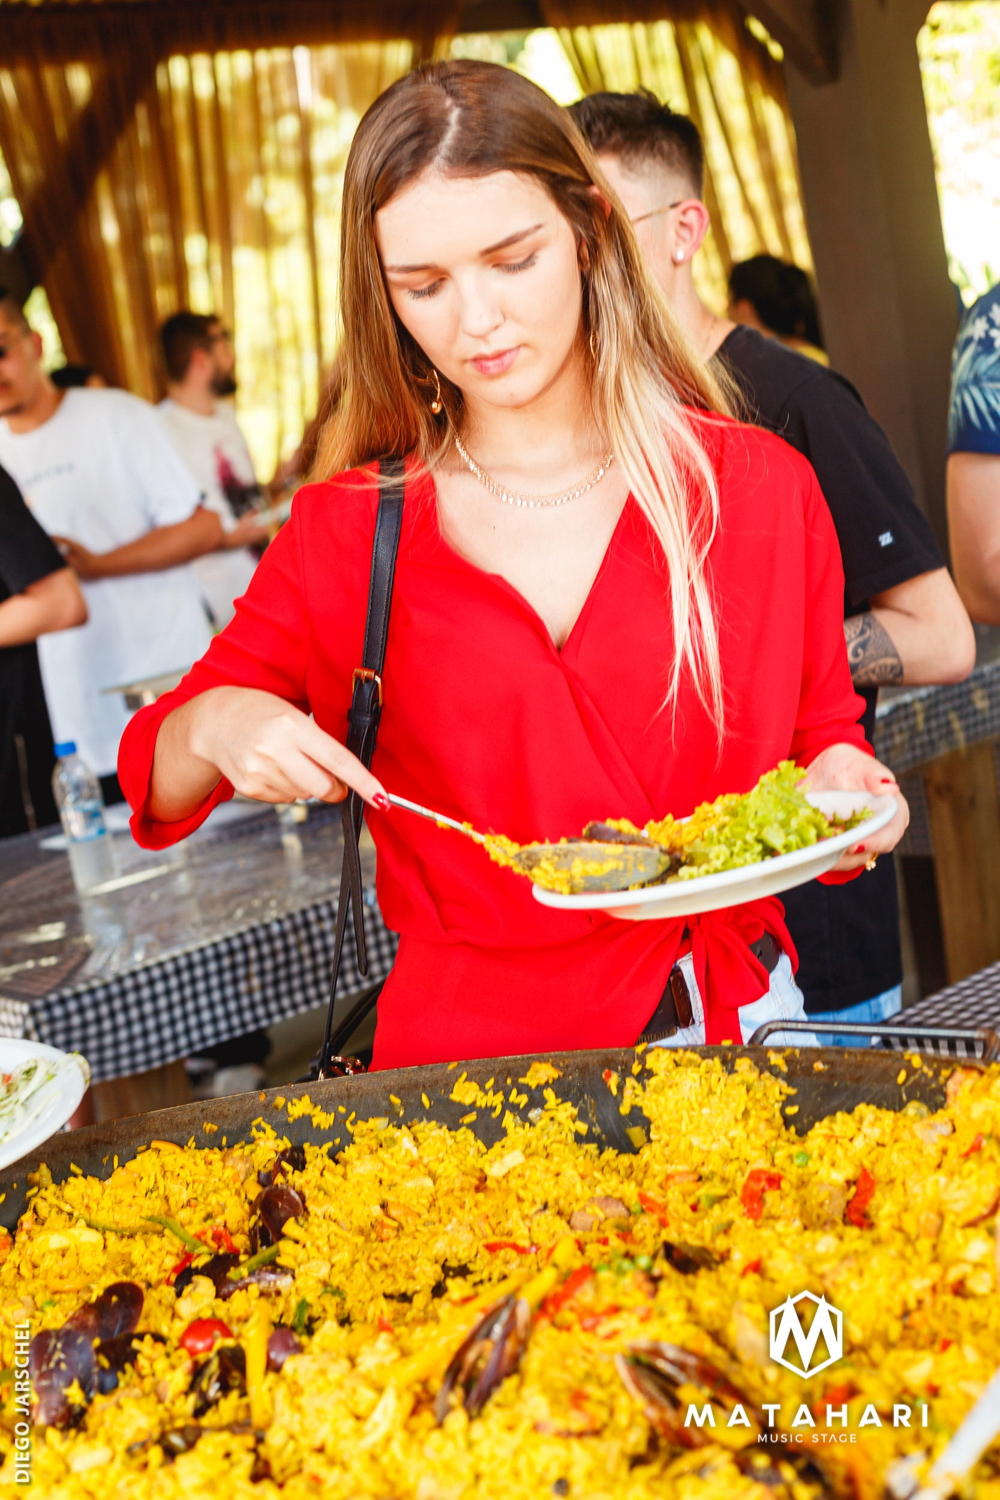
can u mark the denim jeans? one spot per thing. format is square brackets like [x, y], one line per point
[882, 1008]
[782, 1001]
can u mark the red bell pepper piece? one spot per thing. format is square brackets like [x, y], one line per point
[574, 1281]
[592, 1320]
[494, 1245]
[200, 1336]
[223, 1239]
[654, 1206]
[977, 1145]
[863, 1190]
[181, 1265]
[758, 1182]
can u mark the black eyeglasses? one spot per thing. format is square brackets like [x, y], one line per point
[654, 211]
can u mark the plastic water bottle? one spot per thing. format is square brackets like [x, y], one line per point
[77, 792]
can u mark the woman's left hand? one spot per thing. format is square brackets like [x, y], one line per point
[845, 768]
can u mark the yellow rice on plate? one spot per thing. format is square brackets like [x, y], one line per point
[411, 1234]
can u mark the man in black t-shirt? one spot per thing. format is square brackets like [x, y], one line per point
[38, 593]
[903, 619]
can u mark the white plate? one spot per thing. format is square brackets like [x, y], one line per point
[51, 1105]
[686, 898]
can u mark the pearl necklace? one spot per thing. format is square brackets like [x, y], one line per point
[534, 502]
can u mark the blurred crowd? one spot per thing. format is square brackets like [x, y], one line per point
[127, 531]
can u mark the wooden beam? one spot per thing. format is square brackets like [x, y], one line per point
[807, 31]
[63, 31]
[889, 311]
[500, 15]
[117, 90]
[14, 273]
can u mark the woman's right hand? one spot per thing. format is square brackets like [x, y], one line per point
[267, 748]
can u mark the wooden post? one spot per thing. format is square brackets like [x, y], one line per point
[889, 312]
[963, 805]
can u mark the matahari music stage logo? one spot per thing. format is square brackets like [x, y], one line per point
[818, 1346]
[827, 1324]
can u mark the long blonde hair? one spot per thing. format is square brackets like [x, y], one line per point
[468, 119]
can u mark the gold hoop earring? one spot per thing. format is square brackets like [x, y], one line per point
[592, 341]
[437, 405]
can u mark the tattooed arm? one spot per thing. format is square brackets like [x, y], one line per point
[917, 632]
[873, 657]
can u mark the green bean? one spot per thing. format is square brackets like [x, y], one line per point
[262, 1258]
[113, 1228]
[197, 1247]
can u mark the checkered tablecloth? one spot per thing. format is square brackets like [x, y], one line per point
[241, 936]
[917, 725]
[181, 1006]
[970, 1003]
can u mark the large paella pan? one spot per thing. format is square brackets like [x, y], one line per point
[577, 1275]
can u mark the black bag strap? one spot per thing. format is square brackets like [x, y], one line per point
[362, 732]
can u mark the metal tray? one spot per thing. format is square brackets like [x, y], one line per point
[846, 1079]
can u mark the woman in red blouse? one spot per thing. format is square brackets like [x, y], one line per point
[610, 599]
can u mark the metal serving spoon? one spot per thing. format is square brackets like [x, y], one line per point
[625, 859]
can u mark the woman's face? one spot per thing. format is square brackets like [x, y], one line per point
[485, 275]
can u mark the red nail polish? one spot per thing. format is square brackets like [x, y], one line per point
[858, 849]
[381, 801]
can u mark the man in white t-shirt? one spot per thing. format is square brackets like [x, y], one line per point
[201, 369]
[99, 474]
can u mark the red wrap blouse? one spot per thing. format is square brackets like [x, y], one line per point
[487, 721]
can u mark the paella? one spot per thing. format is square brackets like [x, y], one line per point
[408, 1312]
[774, 817]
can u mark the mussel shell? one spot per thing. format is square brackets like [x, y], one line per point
[281, 1345]
[114, 1313]
[119, 1353]
[271, 1212]
[57, 1357]
[216, 1269]
[274, 1278]
[180, 1439]
[291, 1159]
[603, 833]
[688, 1259]
[490, 1353]
[682, 1367]
[86, 1320]
[661, 1377]
[224, 1370]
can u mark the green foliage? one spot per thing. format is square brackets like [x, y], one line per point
[959, 49]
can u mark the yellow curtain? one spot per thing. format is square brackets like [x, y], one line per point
[207, 181]
[714, 71]
[149, 181]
